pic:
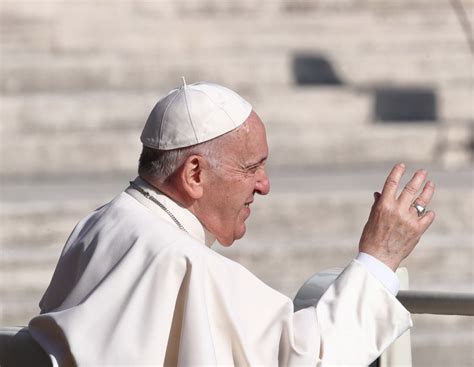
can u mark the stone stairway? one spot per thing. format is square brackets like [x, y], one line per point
[80, 70]
[78, 79]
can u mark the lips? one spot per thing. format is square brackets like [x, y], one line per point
[247, 209]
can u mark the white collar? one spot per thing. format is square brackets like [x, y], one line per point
[188, 220]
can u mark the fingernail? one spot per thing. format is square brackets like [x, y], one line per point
[401, 165]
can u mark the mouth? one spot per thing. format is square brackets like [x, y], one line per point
[247, 204]
[247, 208]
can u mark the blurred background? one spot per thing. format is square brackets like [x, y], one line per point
[346, 88]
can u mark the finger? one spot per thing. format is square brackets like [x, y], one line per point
[426, 220]
[391, 184]
[411, 189]
[425, 197]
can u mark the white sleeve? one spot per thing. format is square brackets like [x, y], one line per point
[380, 271]
[358, 318]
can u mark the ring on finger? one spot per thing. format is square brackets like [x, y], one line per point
[420, 209]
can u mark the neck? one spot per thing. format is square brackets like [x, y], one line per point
[184, 215]
[171, 188]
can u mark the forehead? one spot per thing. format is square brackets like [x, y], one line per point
[252, 139]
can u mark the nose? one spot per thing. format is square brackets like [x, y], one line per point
[262, 185]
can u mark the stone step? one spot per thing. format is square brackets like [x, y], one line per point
[442, 340]
[51, 8]
[337, 107]
[113, 151]
[197, 35]
[113, 71]
[343, 106]
[77, 153]
[231, 49]
[56, 50]
[64, 28]
[79, 112]
[76, 112]
[73, 73]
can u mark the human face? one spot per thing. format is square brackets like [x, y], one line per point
[230, 188]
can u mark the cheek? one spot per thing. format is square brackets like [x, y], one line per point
[230, 196]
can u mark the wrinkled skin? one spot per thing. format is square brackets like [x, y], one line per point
[229, 190]
[394, 227]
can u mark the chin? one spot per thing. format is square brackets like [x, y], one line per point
[228, 241]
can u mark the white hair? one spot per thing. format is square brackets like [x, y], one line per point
[160, 164]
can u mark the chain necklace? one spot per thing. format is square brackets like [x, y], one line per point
[165, 209]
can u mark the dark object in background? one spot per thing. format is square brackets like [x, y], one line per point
[405, 104]
[19, 349]
[311, 69]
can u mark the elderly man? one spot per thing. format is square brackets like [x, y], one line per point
[137, 283]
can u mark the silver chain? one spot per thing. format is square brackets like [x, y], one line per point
[165, 209]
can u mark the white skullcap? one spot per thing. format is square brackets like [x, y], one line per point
[194, 114]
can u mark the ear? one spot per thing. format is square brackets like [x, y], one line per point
[192, 176]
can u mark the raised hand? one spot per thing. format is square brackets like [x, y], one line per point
[395, 226]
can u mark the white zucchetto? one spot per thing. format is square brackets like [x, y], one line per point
[193, 114]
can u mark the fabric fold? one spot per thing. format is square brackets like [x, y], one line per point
[148, 293]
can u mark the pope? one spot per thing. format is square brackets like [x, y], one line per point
[138, 284]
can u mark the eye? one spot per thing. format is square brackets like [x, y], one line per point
[253, 169]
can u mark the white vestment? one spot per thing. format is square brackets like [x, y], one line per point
[132, 289]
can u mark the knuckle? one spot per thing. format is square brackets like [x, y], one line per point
[391, 181]
[420, 201]
[382, 206]
[411, 189]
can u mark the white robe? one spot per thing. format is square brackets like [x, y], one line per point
[132, 289]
